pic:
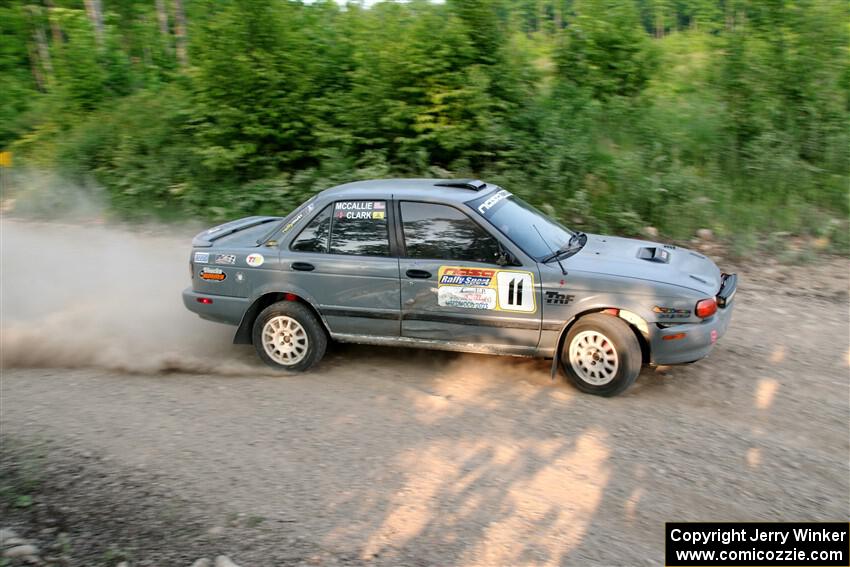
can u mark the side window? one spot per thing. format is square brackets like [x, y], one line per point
[359, 228]
[440, 232]
[314, 236]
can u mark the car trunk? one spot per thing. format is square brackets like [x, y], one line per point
[241, 232]
[219, 255]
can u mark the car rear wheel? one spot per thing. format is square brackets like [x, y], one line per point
[601, 355]
[287, 336]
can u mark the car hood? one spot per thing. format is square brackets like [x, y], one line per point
[650, 261]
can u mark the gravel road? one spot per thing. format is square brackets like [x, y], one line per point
[407, 457]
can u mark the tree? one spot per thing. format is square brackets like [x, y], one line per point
[606, 50]
[181, 33]
[250, 88]
[17, 77]
[162, 18]
[95, 13]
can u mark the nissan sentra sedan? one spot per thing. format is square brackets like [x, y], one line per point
[458, 265]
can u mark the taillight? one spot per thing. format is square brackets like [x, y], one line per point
[706, 308]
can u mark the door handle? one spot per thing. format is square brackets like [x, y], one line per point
[418, 274]
[303, 266]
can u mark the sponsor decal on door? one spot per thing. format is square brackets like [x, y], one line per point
[466, 297]
[484, 288]
[516, 291]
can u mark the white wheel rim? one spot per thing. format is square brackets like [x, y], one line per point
[285, 340]
[593, 358]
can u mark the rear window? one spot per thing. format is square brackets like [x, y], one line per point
[359, 228]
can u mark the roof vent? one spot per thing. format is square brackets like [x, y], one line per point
[473, 184]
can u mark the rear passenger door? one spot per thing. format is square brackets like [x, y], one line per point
[452, 287]
[342, 258]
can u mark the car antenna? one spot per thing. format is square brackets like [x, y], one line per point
[554, 255]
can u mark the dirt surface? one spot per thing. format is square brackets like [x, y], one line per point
[409, 457]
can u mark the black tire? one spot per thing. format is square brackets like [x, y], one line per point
[625, 346]
[316, 338]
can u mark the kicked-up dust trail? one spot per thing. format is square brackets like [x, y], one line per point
[93, 295]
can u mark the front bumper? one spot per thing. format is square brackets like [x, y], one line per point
[693, 341]
[223, 309]
[698, 341]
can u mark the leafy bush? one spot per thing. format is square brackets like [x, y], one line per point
[612, 116]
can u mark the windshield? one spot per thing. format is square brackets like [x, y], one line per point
[520, 222]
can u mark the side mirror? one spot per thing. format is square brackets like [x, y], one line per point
[505, 258]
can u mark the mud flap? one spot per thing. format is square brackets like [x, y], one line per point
[556, 357]
[243, 332]
[555, 361]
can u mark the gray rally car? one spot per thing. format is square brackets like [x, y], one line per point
[457, 265]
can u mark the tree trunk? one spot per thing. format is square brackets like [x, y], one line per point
[541, 16]
[559, 16]
[43, 50]
[95, 12]
[36, 68]
[180, 33]
[55, 30]
[39, 51]
[162, 17]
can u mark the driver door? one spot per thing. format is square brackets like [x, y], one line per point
[452, 286]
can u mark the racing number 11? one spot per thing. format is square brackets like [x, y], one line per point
[515, 298]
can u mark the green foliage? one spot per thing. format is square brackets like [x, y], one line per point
[606, 50]
[16, 79]
[614, 116]
[248, 87]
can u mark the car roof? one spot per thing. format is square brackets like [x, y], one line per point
[460, 191]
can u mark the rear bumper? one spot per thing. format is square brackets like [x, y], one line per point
[698, 341]
[223, 309]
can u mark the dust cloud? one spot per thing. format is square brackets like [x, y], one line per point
[85, 293]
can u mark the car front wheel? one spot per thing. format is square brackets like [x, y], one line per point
[601, 355]
[287, 336]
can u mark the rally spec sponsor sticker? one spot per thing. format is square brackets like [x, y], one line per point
[484, 288]
[213, 274]
[361, 210]
[670, 312]
[293, 222]
[466, 297]
[493, 201]
[555, 298]
[306, 211]
[255, 260]
[202, 257]
[226, 259]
